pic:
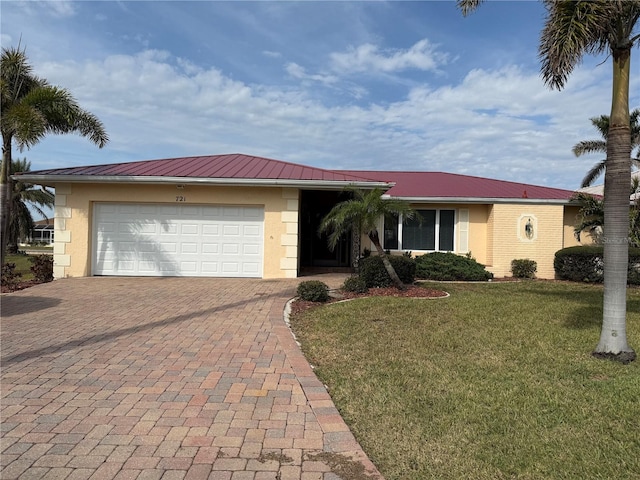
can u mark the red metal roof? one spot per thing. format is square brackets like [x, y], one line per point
[450, 185]
[245, 167]
[231, 166]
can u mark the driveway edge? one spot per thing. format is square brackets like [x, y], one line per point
[337, 436]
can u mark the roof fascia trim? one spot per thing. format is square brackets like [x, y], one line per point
[482, 200]
[266, 182]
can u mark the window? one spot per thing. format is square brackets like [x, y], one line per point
[433, 232]
[391, 232]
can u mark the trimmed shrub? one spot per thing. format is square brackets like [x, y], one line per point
[355, 284]
[524, 268]
[586, 264]
[313, 291]
[10, 278]
[42, 268]
[450, 267]
[374, 274]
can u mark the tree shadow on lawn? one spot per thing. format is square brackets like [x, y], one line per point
[587, 312]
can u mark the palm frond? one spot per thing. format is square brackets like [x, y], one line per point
[594, 173]
[572, 29]
[589, 146]
[468, 6]
[361, 213]
[64, 115]
[602, 124]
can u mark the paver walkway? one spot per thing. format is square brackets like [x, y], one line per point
[164, 378]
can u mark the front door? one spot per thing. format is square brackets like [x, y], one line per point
[314, 249]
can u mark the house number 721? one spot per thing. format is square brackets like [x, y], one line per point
[180, 198]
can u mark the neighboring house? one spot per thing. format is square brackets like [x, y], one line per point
[599, 189]
[42, 232]
[243, 216]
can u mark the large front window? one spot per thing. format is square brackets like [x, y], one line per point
[434, 231]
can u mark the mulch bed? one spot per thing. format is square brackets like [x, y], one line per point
[411, 291]
[20, 286]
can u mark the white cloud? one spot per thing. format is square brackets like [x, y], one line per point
[268, 53]
[57, 8]
[5, 40]
[370, 58]
[502, 124]
[299, 72]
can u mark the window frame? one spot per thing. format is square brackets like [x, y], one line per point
[400, 228]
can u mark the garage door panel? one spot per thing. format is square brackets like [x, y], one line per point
[212, 248]
[230, 249]
[127, 208]
[189, 248]
[210, 212]
[191, 211]
[212, 230]
[230, 230]
[250, 250]
[188, 240]
[189, 229]
[250, 230]
[168, 210]
[250, 269]
[210, 268]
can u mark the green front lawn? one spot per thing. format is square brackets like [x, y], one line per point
[23, 265]
[495, 382]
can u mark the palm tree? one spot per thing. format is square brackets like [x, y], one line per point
[361, 214]
[600, 146]
[592, 215]
[32, 109]
[23, 197]
[572, 30]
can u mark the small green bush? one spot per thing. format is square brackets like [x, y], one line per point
[450, 267]
[586, 264]
[42, 268]
[313, 291]
[355, 284]
[524, 268]
[10, 278]
[374, 274]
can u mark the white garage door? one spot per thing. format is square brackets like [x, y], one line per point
[177, 240]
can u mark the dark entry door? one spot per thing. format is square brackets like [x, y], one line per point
[314, 250]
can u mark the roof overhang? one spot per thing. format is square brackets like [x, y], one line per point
[476, 200]
[51, 180]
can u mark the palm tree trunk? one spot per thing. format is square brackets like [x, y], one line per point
[613, 337]
[375, 239]
[5, 196]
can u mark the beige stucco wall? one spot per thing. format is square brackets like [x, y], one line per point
[74, 209]
[495, 236]
[571, 219]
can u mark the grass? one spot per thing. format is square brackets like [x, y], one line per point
[495, 382]
[23, 265]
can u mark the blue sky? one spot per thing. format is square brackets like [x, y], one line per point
[357, 85]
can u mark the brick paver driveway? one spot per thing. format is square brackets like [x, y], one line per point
[164, 378]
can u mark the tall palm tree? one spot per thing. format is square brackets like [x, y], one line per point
[32, 109]
[361, 214]
[592, 215]
[23, 197]
[572, 30]
[600, 146]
